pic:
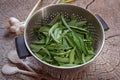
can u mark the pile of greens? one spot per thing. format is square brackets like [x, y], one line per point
[63, 42]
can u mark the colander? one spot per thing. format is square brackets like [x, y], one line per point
[95, 24]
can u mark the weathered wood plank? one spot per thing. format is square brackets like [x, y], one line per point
[110, 11]
[110, 57]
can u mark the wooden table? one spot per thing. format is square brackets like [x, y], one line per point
[105, 67]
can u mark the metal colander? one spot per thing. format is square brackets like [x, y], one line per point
[46, 14]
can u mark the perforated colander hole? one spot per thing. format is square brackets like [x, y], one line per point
[73, 14]
[67, 15]
[61, 12]
[91, 30]
[57, 13]
[53, 16]
[38, 22]
[79, 18]
[95, 36]
[77, 15]
[89, 25]
[46, 19]
[82, 19]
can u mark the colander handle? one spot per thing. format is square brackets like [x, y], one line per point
[21, 47]
[105, 26]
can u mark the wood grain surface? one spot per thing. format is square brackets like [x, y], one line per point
[105, 67]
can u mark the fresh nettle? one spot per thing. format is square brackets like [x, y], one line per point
[63, 42]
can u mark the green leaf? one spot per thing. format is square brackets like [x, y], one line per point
[72, 23]
[65, 23]
[46, 51]
[88, 57]
[82, 45]
[62, 53]
[73, 17]
[81, 23]
[57, 33]
[80, 29]
[63, 35]
[47, 60]
[55, 20]
[50, 33]
[64, 41]
[61, 59]
[35, 47]
[76, 41]
[38, 42]
[69, 65]
[70, 41]
[78, 61]
[72, 56]
[39, 56]
[44, 29]
[55, 46]
[83, 57]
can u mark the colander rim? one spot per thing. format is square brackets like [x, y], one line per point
[60, 67]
